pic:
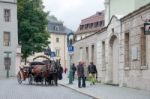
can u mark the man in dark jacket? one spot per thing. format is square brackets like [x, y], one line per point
[80, 73]
[92, 73]
[73, 70]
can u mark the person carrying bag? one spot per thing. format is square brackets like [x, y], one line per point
[92, 70]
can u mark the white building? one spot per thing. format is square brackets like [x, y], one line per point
[120, 51]
[8, 36]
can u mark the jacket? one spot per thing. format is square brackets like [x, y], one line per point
[80, 70]
[92, 69]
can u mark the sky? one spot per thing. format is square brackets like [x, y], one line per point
[71, 12]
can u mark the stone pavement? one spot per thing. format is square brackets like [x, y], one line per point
[100, 91]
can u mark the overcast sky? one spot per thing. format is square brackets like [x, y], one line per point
[72, 11]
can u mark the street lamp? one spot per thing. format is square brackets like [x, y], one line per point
[7, 63]
[70, 41]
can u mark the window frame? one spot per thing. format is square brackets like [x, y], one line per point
[7, 15]
[57, 40]
[6, 40]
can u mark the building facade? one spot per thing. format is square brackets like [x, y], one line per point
[135, 49]
[90, 25]
[8, 37]
[121, 50]
[58, 40]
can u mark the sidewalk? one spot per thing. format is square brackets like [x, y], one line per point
[100, 91]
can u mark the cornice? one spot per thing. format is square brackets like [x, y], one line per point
[8, 2]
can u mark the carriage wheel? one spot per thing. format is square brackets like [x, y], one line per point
[19, 79]
[30, 79]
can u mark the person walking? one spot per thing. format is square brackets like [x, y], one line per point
[92, 70]
[65, 70]
[80, 73]
[73, 70]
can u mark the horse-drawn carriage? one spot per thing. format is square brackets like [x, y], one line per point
[47, 72]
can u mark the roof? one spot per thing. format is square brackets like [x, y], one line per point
[98, 32]
[94, 18]
[99, 16]
[56, 27]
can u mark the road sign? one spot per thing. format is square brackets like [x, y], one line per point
[7, 63]
[71, 48]
[53, 54]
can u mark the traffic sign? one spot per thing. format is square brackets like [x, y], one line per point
[71, 48]
[53, 54]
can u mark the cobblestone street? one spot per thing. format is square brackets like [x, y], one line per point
[10, 89]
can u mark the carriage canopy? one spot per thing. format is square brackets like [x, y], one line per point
[41, 56]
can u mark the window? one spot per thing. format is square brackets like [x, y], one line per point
[103, 56]
[96, 24]
[56, 28]
[81, 27]
[57, 52]
[86, 26]
[6, 38]
[81, 53]
[91, 25]
[143, 48]
[92, 56]
[57, 40]
[87, 54]
[7, 15]
[127, 49]
[101, 23]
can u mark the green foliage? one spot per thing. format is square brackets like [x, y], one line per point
[32, 22]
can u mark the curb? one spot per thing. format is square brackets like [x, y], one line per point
[80, 91]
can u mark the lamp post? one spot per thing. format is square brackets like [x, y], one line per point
[7, 63]
[70, 50]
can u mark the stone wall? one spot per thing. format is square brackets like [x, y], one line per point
[137, 72]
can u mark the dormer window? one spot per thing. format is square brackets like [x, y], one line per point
[81, 27]
[86, 26]
[96, 24]
[91, 25]
[56, 28]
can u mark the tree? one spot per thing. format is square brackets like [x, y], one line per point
[32, 23]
